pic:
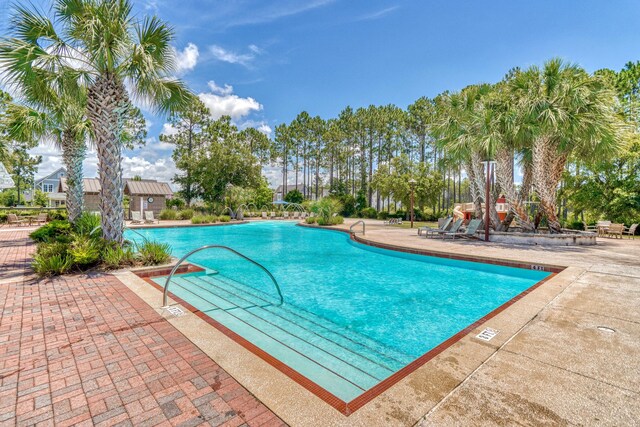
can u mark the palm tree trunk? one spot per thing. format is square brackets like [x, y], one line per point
[106, 103]
[474, 190]
[72, 155]
[504, 173]
[548, 165]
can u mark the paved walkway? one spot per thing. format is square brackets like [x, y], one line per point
[85, 350]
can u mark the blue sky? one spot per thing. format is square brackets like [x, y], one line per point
[265, 61]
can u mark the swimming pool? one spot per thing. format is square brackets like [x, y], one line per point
[353, 314]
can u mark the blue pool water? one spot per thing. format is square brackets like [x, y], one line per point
[384, 308]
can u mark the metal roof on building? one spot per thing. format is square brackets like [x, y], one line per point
[145, 187]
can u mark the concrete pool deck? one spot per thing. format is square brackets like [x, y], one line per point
[549, 364]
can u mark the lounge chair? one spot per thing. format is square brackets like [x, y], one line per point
[149, 218]
[264, 215]
[631, 231]
[445, 225]
[41, 219]
[615, 230]
[296, 215]
[285, 215]
[13, 219]
[454, 229]
[136, 217]
[469, 232]
[272, 215]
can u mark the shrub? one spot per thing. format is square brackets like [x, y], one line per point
[57, 215]
[310, 220]
[85, 251]
[326, 207]
[86, 224]
[383, 215]
[574, 225]
[154, 253]
[335, 220]
[294, 196]
[53, 231]
[185, 214]
[53, 265]
[176, 201]
[369, 213]
[203, 219]
[168, 214]
[224, 218]
[52, 249]
[115, 256]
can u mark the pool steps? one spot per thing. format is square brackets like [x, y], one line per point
[334, 357]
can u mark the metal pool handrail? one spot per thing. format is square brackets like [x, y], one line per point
[165, 293]
[356, 223]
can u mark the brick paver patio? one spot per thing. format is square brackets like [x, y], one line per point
[85, 350]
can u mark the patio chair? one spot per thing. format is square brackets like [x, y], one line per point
[296, 215]
[264, 215]
[136, 217]
[445, 225]
[615, 231]
[631, 231]
[454, 228]
[469, 232]
[41, 219]
[285, 215]
[13, 219]
[149, 218]
[272, 215]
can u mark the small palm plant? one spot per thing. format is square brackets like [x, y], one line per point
[114, 55]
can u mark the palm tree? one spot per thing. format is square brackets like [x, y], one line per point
[462, 128]
[57, 113]
[566, 111]
[114, 55]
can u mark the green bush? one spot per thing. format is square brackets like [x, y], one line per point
[334, 220]
[574, 225]
[204, 219]
[52, 249]
[224, 218]
[53, 231]
[310, 220]
[369, 213]
[154, 253]
[168, 214]
[185, 214]
[85, 251]
[53, 265]
[383, 215]
[176, 201]
[115, 256]
[87, 223]
[58, 214]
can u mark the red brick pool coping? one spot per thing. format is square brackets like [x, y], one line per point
[86, 350]
[348, 408]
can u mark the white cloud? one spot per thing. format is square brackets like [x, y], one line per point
[262, 126]
[265, 128]
[244, 59]
[219, 90]
[378, 14]
[186, 59]
[228, 104]
[168, 129]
